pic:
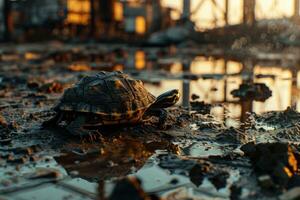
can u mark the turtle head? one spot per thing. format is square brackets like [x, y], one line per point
[166, 99]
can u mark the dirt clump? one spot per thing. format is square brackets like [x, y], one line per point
[276, 160]
[232, 136]
[252, 91]
[201, 107]
[128, 189]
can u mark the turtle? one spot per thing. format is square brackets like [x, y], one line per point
[109, 98]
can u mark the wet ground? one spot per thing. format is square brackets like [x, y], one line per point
[233, 135]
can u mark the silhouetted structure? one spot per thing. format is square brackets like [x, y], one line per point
[249, 12]
[7, 19]
[126, 20]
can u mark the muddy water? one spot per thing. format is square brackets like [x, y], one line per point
[221, 77]
[211, 79]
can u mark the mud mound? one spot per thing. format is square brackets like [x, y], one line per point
[276, 164]
[252, 91]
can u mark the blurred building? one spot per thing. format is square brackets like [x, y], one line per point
[1, 20]
[100, 19]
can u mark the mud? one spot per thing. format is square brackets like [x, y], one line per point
[252, 91]
[196, 155]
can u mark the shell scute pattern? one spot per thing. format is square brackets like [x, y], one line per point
[113, 96]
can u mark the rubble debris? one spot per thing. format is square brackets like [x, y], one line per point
[198, 172]
[117, 152]
[252, 91]
[232, 136]
[279, 119]
[219, 179]
[277, 160]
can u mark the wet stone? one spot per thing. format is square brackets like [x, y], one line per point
[235, 192]
[219, 180]
[277, 160]
[197, 174]
[279, 119]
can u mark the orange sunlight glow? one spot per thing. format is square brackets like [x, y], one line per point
[78, 12]
[140, 25]
[209, 15]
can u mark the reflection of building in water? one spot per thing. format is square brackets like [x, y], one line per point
[221, 76]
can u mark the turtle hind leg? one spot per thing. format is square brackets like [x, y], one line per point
[76, 127]
[52, 122]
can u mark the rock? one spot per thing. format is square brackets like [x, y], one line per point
[278, 160]
[282, 174]
[252, 91]
[249, 149]
[197, 175]
[219, 180]
[235, 192]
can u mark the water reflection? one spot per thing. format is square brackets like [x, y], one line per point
[214, 79]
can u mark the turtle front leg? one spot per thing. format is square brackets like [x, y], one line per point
[162, 115]
[76, 127]
[162, 118]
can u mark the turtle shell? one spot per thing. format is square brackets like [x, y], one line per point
[114, 97]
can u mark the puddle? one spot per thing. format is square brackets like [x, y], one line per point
[216, 78]
[163, 172]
